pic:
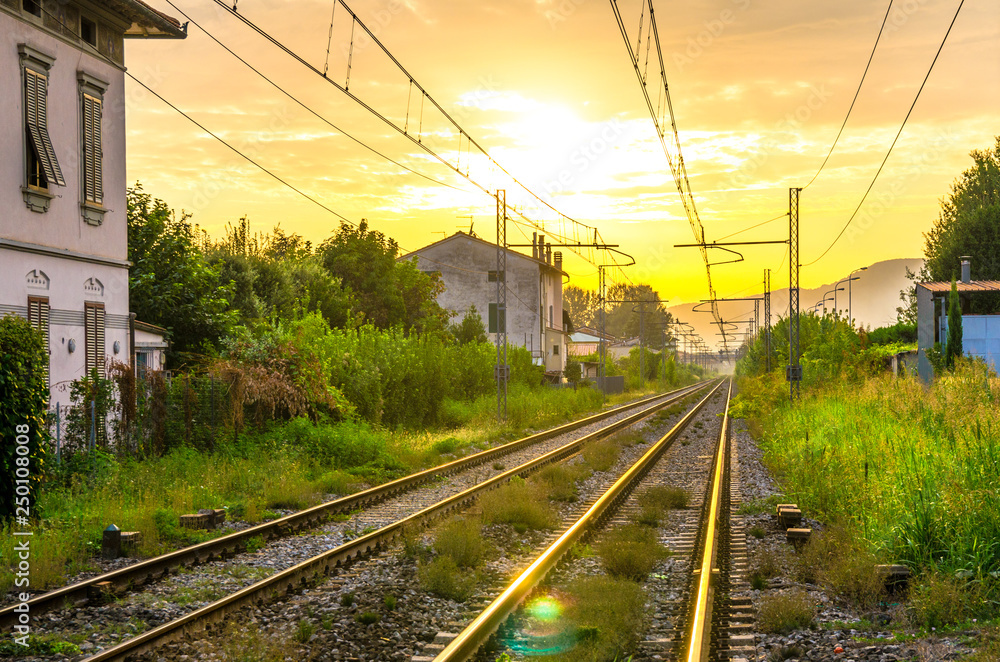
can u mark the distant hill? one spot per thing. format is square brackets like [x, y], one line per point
[874, 299]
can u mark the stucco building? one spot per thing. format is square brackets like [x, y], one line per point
[63, 229]
[535, 318]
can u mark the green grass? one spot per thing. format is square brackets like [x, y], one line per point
[893, 462]
[631, 552]
[520, 504]
[784, 612]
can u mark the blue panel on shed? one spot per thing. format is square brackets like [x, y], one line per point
[973, 326]
[993, 326]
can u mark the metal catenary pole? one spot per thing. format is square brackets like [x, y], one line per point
[501, 369]
[767, 320]
[794, 367]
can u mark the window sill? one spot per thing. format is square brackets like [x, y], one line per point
[37, 199]
[92, 213]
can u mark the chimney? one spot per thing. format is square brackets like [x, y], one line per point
[541, 247]
[534, 245]
[548, 253]
[557, 260]
[966, 269]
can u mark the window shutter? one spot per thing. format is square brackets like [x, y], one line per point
[35, 91]
[94, 328]
[493, 318]
[92, 171]
[38, 316]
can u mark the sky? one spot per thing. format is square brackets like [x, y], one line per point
[759, 91]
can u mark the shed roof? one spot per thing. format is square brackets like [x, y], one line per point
[943, 287]
[469, 237]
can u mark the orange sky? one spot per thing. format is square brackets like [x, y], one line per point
[759, 90]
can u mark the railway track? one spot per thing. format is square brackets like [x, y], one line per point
[385, 519]
[116, 583]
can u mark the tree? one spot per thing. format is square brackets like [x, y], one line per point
[581, 305]
[386, 292]
[171, 284]
[969, 224]
[953, 349]
[470, 329]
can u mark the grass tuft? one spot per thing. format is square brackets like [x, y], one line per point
[783, 612]
[631, 552]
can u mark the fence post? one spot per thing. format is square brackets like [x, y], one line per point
[58, 413]
[93, 423]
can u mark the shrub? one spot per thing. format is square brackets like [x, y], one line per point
[461, 539]
[937, 600]
[367, 618]
[601, 455]
[631, 552]
[23, 402]
[445, 579]
[389, 600]
[669, 498]
[559, 481]
[784, 612]
[517, 503]
[304, 631]
[608, 616]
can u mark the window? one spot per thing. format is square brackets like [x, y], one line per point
[92, 177]
[555, 350]
[93, 319]
[88, 30]
[41, 164]
[33, 7]
[551, 317]
[494, 317]
[93, 190]
[492, 276]
[38, 317]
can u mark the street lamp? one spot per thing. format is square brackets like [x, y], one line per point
[844, 280]
[849, 311]
[827, 298]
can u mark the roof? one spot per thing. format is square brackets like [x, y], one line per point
[944, 287]
[150, 328]
[469, 237]
[147, 23]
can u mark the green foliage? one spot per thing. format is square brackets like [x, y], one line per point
[462, 540]
[953, 349]
[573, 371]
[969, 224]
[471, 329]
[367, 618]
[608, 617]
[517, 503]
[23, 402]
[898, 333]
[445, 579]
[631, 552]
[171, 283]
[784, 612]
[386, 293]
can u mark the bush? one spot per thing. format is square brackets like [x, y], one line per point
[601, 455]
[843, 564]
[23, 403]
[608, 615]
[461, 539]
[938, 600]
[517, 503]
[445, 579]
[631, 552]
[784, 612]
[559, 481]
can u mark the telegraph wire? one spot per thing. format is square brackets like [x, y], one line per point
[752, 227]
[898, 133]
[418, 140]
[303, 105]
[856, 93]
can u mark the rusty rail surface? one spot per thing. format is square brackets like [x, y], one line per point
[326, 563]
[477, 633]
[155, 568]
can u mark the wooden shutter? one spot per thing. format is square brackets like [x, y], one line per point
[38, 316]
[92, 176]
[37, 127]
[94, 329]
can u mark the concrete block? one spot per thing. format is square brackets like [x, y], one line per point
[798, 537]
[130, 543]
[789, 517]
[111, 542]
[195, 521]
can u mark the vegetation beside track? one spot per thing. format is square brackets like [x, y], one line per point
[909, 473]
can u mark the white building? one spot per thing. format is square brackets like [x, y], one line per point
[535, 319]
[63, 229]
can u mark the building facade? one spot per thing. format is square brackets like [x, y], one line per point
[534, 319]
[63, 229]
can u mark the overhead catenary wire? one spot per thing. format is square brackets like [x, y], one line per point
[305, 106]
[854, 100]
[419, 139]
[898, 133]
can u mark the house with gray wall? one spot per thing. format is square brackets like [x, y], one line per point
[535, 320]
[63, 230]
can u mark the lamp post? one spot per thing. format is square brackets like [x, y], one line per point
[827, 298]
[850, 312]
[843, 280]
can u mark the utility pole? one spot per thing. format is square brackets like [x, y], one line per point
[794, 366]
[502, 367]
[767, 320]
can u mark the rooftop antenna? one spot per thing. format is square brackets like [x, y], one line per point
[471, 224]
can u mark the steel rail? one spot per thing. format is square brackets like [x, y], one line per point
[701, 620]
[325, 563]
[157, 567]
[477, 633]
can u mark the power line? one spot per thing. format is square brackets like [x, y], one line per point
[882, 165]
[752, 227]
[856, 93]
[303, 105]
